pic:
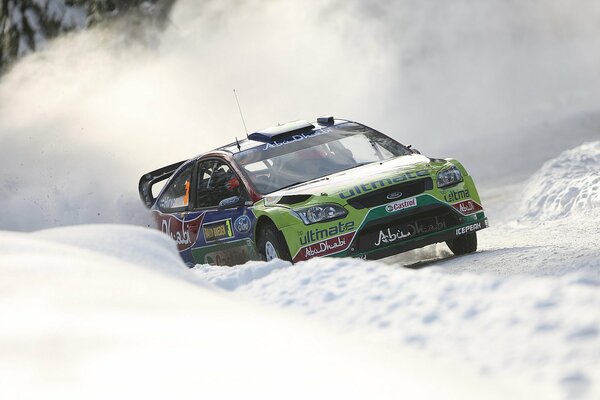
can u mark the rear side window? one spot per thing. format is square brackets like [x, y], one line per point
[177, 195]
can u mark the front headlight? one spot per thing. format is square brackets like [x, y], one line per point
[326, 212]
[449, 176]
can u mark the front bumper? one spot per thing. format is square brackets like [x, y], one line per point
[375, 253]
[383, 231]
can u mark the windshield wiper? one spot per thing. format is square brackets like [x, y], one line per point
[289, 186]
[302, 182]
[359, 165]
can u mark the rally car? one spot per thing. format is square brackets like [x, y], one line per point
[302, 190]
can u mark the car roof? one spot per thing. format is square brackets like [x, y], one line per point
[248, 143]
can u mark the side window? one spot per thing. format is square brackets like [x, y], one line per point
[363, 151]
[177, 194]
[216, 182]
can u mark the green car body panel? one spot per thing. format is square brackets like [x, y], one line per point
[338, 237]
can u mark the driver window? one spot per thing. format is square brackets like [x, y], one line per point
[216, 182]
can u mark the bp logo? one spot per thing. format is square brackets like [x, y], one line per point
[242, 224]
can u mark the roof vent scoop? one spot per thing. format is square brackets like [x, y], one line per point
[278, 132]
[326, 120]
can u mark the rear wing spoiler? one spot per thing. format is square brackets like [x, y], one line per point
[151, 178]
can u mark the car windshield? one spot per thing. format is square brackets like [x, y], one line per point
[304, 157]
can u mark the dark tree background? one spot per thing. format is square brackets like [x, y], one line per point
[27, 25]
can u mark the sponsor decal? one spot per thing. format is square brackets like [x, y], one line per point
[467, 207]
[367, 187]
[397, 232]
[401, 205]
[389, 237]
[184, 233]
[217, 230]
[242, 224]
[186, 198]
[295, 138]
[325, 248]
[314, 235]
[229, 252]
[468, 228]
[426, 226]
[455, 195]
[229, 256]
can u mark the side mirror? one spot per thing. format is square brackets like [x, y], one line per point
[413, 150]
[231, 202]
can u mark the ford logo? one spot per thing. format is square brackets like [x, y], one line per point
[393, 195]
[242, 224]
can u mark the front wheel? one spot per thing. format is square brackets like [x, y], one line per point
[271, 244]
[463, 244]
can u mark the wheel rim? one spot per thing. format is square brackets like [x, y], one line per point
[270, 251]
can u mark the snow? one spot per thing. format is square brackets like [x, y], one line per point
[505, 326]
[23, 47]
[68, 16]
[16, 16]
[568, 184]
[32, 19]
[234, 277]
[54, 9]
[525, 306]
[74, 17]
[34, 23]
[110, 310]
[27, 19]
[103, 311]
[84, 320]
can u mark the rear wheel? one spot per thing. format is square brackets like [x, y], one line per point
[271, 244]
[463, 244]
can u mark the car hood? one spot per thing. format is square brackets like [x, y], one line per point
[341, 182]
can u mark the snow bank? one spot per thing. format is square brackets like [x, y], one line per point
[239, 275]
[124, 243]
[567, 185]
[82, 318]
[534, 332]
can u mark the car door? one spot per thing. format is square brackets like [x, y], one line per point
[174, 214]
[226, 231]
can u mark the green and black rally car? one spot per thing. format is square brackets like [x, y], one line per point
[302, 190]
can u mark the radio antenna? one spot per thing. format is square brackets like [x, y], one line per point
[238, 144]
[241, 115]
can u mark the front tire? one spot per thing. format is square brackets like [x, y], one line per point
[271, 244]
[463, 244]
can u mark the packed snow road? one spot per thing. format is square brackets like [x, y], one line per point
[527, 304]
[107, 310]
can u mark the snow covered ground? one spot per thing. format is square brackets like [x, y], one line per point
[109, 311]
[95, 311]
[526, 305]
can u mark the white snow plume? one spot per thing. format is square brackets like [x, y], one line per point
[82, 120]
[564, 186]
